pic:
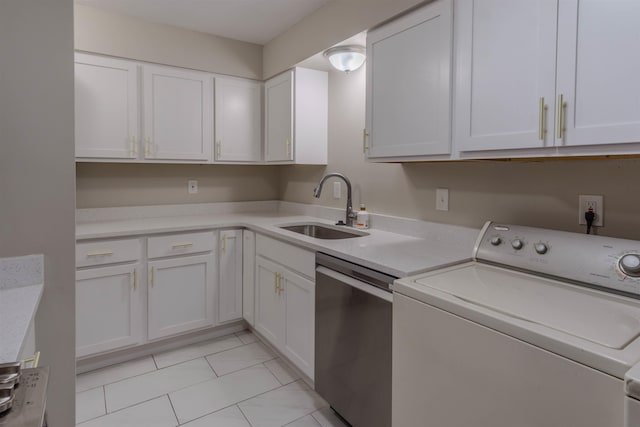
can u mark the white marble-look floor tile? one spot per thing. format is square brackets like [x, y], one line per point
[229, 417]
[114, 373]
[154, 413]
[281, 406]
[239, 358]
[306, 421]
[210, 396]
[327, 418]
[195, 351]
[246, 337]
[147, 386]
[90, 404]
[282, 371]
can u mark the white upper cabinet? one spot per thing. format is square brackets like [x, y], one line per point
[409, 84]
[106, 107]
[238, 120]
[505, 74]
[296, 117]
[556, 75]
[599, 72]
[178, 116]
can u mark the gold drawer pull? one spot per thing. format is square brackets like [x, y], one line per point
[181, 245]
[97, 254]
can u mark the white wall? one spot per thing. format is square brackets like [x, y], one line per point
[543, 194]
[37, 174]
[114, 34]
[104, 184]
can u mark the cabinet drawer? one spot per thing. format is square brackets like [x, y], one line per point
[291, 256]
[180, 244]
[107, 252]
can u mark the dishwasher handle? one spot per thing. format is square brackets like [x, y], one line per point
[362, 286]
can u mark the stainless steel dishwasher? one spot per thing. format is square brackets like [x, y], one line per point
[353, 341]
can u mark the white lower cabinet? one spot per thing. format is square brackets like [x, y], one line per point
[181, 295]
[230, 283]
[107, 308]
[248, 276]
[285, 312]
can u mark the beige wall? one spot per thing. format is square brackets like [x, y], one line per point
[541, 194]
[37, 175]
[103, 184]
[336, 21]
[119, 35]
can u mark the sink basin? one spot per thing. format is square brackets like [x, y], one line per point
[320, 231]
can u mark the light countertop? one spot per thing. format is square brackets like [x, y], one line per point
[393, 253]
[21, 286]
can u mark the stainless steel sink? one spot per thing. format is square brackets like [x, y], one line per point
[320, 231]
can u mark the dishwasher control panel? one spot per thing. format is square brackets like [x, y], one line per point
[600, 261]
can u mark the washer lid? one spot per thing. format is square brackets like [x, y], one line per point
[603, 319]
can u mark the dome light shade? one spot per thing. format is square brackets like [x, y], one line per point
[346, 58]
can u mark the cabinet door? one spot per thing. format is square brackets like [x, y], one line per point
[298, 340]
[599, 71]
[506, 64]
[181, 295]
[238, 120]
[230, 283]
[269, 305]
[409, 84]
[107, 309]
[278, 118]
[178, 117]
[106, 107]
[248, 276]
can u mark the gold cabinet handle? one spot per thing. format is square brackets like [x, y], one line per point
[135, 279]
[147, 147]
[181, 245]
[223, 243]
[97, 254]
[561, 116]
[152, 276]
[134, 147]
[275, 283]
[542, 113]
[364, 140]
[288, 149]
[218, 150]
[280, 287]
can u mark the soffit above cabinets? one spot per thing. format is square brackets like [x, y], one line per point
[253, 21]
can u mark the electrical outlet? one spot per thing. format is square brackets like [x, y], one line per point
[442, 199]
[192, 185]
[596, 203]
[337, 187]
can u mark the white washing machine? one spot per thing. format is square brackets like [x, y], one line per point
[539, 330]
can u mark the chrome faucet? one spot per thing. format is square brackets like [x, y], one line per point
[350, 214]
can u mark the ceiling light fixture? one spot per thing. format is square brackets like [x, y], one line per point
[346, 58]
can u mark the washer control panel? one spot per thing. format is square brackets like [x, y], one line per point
[595, 260]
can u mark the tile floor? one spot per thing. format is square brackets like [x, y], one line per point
[233, 381]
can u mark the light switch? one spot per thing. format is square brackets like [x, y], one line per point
[336, 190]
[442, 199]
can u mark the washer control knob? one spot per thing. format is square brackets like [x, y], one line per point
[495, 241]
[517, 244]
[630, 265]
[541, 248]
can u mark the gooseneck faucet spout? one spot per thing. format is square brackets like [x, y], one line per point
[350, 214]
